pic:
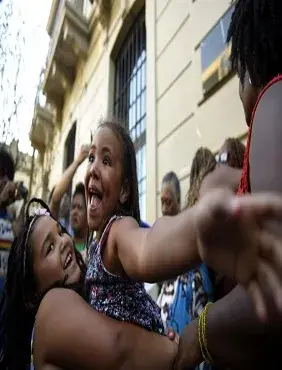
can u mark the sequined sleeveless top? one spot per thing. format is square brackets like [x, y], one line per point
[118, 296]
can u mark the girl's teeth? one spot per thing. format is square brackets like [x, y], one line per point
[68, 260]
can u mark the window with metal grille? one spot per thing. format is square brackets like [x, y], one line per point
[69, 152]
[130, 97]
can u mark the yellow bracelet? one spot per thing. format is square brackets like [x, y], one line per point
[202, 334]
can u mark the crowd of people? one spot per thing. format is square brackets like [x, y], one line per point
[74, 295]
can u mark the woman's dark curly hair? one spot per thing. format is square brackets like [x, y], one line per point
[20, 300]
[256, 34]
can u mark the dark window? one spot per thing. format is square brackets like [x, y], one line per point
[214, 43]
[130, 97]
[69, 150]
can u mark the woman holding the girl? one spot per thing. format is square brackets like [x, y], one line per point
[236, 339]
[229, 234]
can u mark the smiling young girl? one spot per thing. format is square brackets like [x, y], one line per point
[53, 262]
[220, 229]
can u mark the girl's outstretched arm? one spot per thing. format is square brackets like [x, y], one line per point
[230, 234]
[77, 337]
[169, 248]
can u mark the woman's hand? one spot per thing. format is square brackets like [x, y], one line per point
[234, 238]
[189, 352]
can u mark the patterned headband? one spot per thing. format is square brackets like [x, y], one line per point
[41, 212]
[38, 213]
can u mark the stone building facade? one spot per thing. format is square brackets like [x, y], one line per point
[160, 66]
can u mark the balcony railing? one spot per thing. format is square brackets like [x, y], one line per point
[69, 42]
[40, 98]
[41, 132]
[77, 5]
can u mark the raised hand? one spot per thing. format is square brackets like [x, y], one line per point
[235, 237]
[83, 154]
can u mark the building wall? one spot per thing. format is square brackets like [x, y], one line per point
[23, 176]
[90, 100]
[179, 119]
[182, 124]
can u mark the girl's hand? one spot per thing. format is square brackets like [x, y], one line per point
[234, 237]
[83, 154]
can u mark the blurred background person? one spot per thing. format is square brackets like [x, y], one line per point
[78, 218]
[170, 195]
[171, 204]
[10, 223]
[183, 299]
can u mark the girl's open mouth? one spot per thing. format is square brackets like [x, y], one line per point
[95, 197]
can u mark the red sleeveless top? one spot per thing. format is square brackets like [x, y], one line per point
[244, 186]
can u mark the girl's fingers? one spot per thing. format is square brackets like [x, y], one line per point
[261, 206]
[270, 284]
[258, 300]
[271, 248]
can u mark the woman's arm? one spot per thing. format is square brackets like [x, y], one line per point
[77, 337]
[65, 181]
[236, 338]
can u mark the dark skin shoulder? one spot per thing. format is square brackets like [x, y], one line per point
[77, 337]
[266, 148]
